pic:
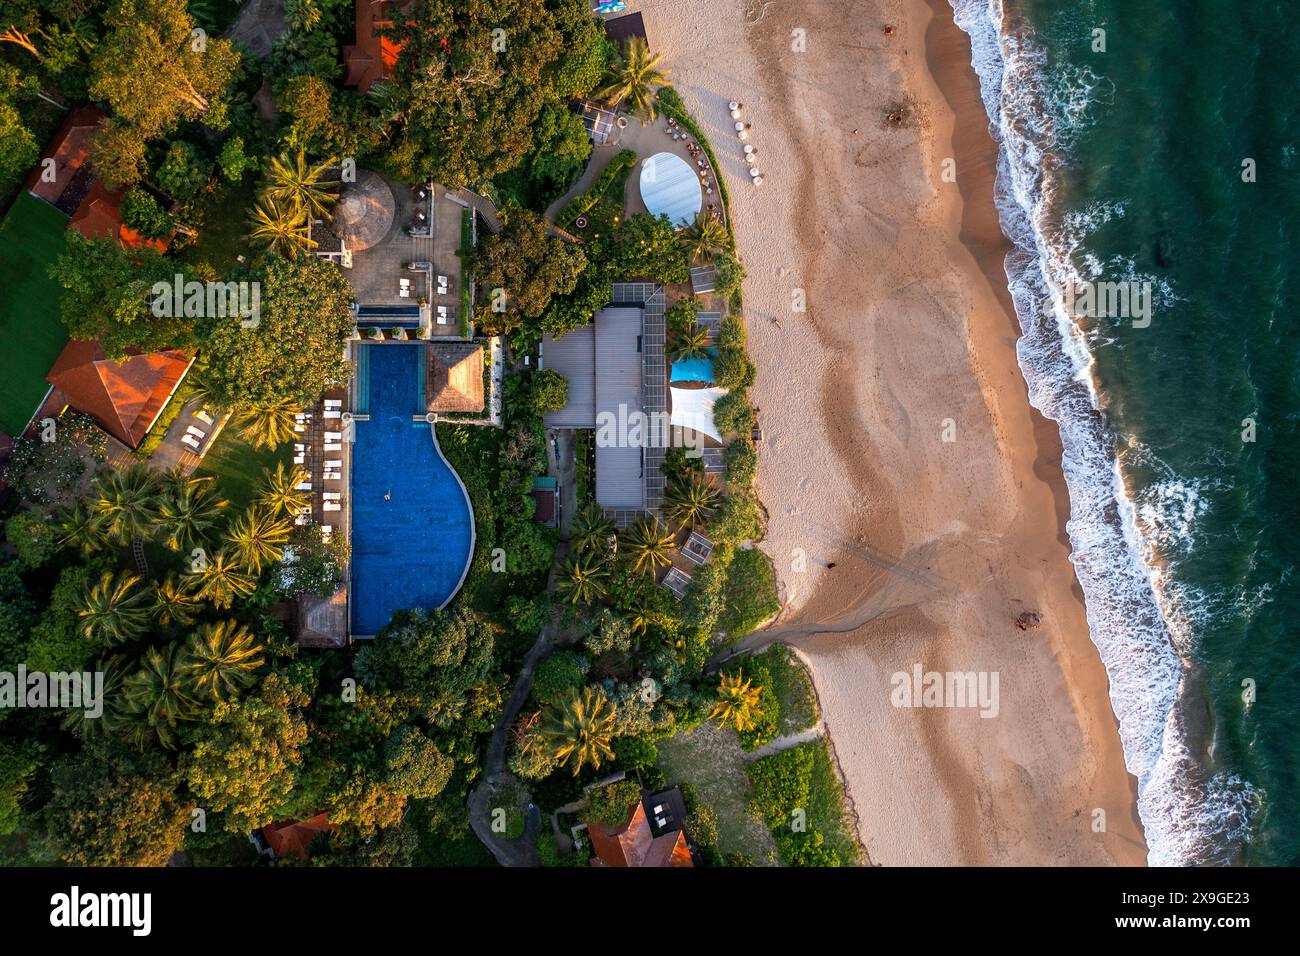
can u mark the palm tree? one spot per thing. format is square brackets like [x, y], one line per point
[583, 579]
[258, 537]
[738, 702]
[159, 691]
[267, 426]
[705, 238]
[173, 604]
[303, 16]
[282, 230]
[126, 501]
[689, 500]
[591, 529]
[649, 544]
[295, 184]
[578, 727]
[636, 75]
[220, 580]
[113, 611]
[223, 659]
[689, 344]
[77, 721]
[189, 510]
[640, 615]
[279, 490]
[83, 528]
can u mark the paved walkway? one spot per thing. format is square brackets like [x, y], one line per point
[521, 851]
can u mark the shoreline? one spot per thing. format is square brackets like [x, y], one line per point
[935, 546]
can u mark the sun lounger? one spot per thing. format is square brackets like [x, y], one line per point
[303, 486]
[333, 436]
[300, 427]
[332, 496]
[301, 519]
[299, 446]
[203, 416]
[333, 403]
[333, 476]
[334, 463]
[333, 413]
[189, 440]
[299, 459]
[196, 432]
[333, 446]
[404, 293]
[333, 506]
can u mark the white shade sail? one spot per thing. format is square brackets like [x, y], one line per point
[693, 408]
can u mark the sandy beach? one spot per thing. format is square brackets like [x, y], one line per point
[915, 498]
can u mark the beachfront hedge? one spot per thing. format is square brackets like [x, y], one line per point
[669, 101]
[733, 414]
[741, 459]
[750, 596]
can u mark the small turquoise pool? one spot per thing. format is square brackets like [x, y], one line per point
[412, 525]
[693, 370]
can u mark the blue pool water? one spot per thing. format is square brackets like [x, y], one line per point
[693, 370]
[410, 549]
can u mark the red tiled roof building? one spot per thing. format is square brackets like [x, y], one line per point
[124, 397]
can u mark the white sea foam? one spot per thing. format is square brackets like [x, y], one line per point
[1189, 814]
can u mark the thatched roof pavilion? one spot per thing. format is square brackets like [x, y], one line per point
[365, 210]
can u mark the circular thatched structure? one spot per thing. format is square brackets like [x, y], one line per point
[365, 210]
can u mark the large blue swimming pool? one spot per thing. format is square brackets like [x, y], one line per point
[412, 526]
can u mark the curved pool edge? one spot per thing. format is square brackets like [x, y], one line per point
[473, 521]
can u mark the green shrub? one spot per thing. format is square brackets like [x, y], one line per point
[739, 519]
[750, 596]
[733, 370]
[550, 391]
[741, 459]
[34, 538]
[612, 804]
[184, 171]
[142, 213]
[733, 414]
[781, 786]
[561, 672]
[234, 162]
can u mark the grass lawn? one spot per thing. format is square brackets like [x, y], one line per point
[710, 759]
[31, 238]
[238, 466]
[224, 233]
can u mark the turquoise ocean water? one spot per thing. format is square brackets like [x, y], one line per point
[1159, 157]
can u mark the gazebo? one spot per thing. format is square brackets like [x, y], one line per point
[365, 211]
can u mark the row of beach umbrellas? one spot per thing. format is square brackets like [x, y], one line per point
[742, 134]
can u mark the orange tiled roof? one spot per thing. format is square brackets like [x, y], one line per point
[123, 397]
[294, 837]
[373, 57]
[70, 149]
[632, 844]
[100, 217]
